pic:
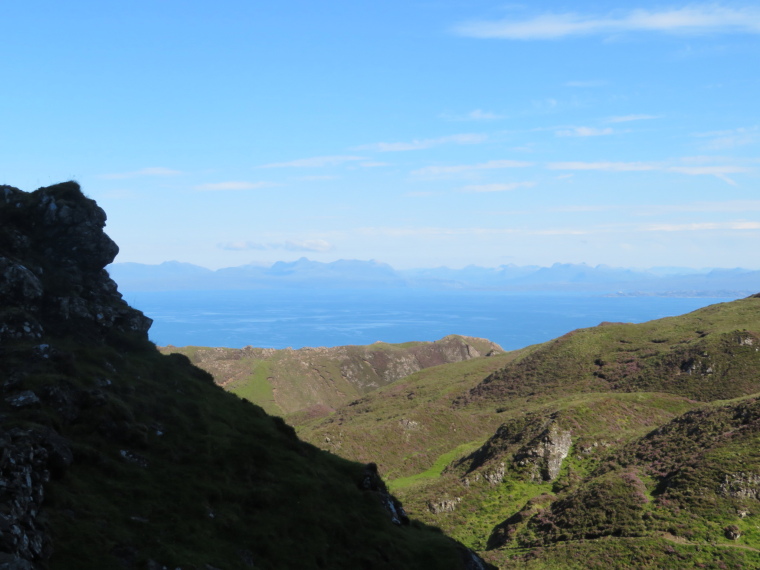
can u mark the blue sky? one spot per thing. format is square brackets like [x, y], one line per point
[414, 133]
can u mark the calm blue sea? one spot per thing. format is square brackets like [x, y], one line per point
[297, 318]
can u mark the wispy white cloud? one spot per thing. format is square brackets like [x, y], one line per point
[728, 206]
[601, 229]
[629, 118]
[315, 162]
[234, 185]
[692, 19]
[476, 115]
[561, 232]
[714, 170]
[241, 246]
[374, 164]
[314, 245]
[584, 132]
[317, 177]
[497, 187]
[720, 171]
[602, 166]
[152, 171]
[704, 226]
[432, 231]
[582, 208]
[722, 140]
[436, 171]
[466, 138]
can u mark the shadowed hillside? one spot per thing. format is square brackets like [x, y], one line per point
[115, 456]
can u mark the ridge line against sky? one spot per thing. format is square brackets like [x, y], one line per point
[418, 134]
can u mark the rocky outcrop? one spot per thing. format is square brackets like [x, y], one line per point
[444, 505]
[53, 252]
[740, 486]
[52, 282]
[534, 446]
[29, 458]
[544, 455]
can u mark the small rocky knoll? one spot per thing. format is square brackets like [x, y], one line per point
[316, 381]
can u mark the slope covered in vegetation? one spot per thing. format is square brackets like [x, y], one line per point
[617, 446]
[312, 382]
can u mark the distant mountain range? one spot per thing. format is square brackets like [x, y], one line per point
[353, 274]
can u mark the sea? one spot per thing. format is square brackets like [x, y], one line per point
[298, 318]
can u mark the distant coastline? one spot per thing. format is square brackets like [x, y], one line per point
[357, 274]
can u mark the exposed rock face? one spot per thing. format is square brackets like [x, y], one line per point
[534, 445]
[28, 460]
[52, 280]
[740, 486]
[546, 453]
[496, 475]
[52, 256]
[444, 505]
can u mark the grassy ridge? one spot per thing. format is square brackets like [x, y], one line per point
[314, 381]
[706, 355]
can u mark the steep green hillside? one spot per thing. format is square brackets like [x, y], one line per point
[535, 456]
[315, 381]
[115, 456]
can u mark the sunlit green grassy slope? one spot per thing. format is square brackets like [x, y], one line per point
[662, 468]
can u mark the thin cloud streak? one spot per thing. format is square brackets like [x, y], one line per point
[695, 19]
[152, 171]
[584, 132]
[314, 246]
[629, 118]
[435, 171]
[476, 115]
[234, 185]
[719, 171]
[722, 140]
[466, 138]
[624, 228]
[497, 187]
[315, 162]
[707, 226]
[603, 166]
